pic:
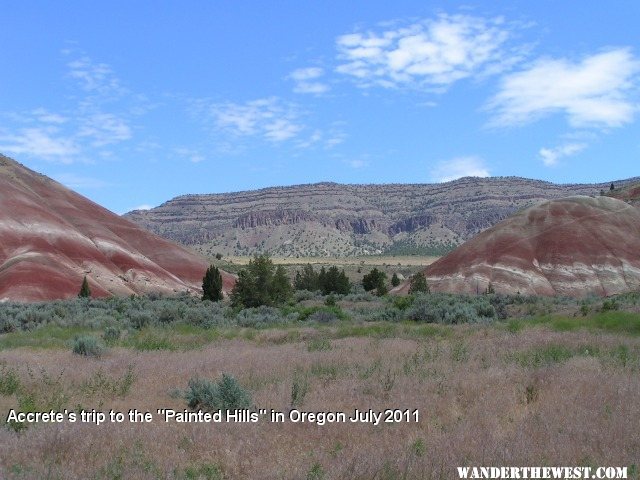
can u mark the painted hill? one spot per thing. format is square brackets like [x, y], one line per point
[329, 219]
[50, 237]
[573, 246]
[629, 193]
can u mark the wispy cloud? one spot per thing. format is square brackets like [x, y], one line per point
[358, 163]
[459, 167]
[44, 142]
[550, 156]
[307, 80]
[97, 117]
[95, 77]
[432, 53]
[104, 129]
[269, 118]
[189, 154]
[595, 91]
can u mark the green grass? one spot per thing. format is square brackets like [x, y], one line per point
[45, 337]
[626, 323]
[555, 353]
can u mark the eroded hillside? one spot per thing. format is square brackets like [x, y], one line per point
[343, 220]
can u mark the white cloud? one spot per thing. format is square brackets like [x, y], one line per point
[42, 142]
[105, 129]
[592, 92]
[433, 53]
[459, 167]
[44, 116]
[307, 80]
[270, 118]
[95, 78]
[189, 154]
[550, 156]
[144, 206]
[358, 163]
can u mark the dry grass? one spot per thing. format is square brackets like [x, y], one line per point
[485, 396]
[372, 260]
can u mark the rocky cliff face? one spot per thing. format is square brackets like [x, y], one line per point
[575, 246]
[344, 220]
[51, 237]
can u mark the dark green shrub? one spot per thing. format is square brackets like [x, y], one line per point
[111, 335]
[261, 283]
[418, 284]
[85, 291]
[374, 280]
[139, 320]
[330, 301]
[88, 346]
[227, 394]
[212, 284]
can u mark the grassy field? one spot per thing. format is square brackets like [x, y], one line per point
[355, 267]
[554, 383]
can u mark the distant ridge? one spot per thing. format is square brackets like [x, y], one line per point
[331, 219]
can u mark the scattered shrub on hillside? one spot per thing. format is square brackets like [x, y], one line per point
[88, 346]
[226, 394]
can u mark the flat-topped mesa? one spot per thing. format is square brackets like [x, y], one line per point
[51, 237]
[574, 246]
[347, 220]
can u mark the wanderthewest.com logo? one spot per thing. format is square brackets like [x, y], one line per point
[542, 472]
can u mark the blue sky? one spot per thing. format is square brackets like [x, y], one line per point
[132, 103]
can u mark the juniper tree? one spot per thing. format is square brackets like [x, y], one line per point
[418, 284]
[212, 285]
[85, 291]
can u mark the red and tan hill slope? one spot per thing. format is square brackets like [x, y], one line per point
[629, 193]
[573, 246]
[50, 237]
